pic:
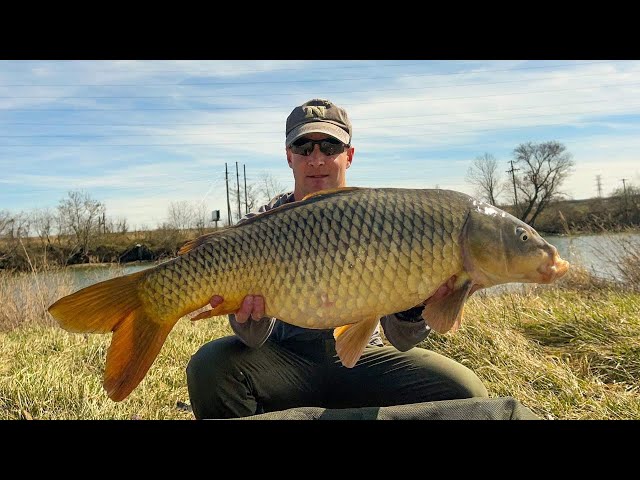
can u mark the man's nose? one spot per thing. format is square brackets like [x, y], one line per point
[316, 157]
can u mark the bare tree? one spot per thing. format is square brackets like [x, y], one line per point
[270, 187]
[628, 190]
[543, 168]
[79, 216]
[485, 176]
[252, 200]
[184, 215]
[628, 197]
[6, 220]
[117, 225]
[200, 216]
[181, 215]
[13, 228]
[42, 221]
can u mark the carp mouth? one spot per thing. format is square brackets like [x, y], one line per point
[554, 269]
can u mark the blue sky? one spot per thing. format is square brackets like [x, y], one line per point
[138, 135]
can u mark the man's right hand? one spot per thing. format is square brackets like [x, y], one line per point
[252, 307]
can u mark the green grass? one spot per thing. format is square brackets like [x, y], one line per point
[564, 353]
[568, 351]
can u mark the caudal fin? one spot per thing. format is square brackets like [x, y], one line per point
[114, 306]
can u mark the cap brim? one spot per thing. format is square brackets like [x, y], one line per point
[317, 127]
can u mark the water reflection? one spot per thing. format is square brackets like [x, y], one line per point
[596, 253]
[85, 275]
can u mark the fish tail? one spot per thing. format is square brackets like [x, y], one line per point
[115, 306]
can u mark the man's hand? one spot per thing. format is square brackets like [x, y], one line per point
[252, 307]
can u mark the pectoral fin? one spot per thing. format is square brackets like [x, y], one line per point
[445, 313]
[351, 340]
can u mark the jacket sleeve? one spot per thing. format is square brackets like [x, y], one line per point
[405, 330]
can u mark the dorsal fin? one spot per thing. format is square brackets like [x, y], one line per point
[196, 242]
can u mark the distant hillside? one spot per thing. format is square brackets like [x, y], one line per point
[590, 215]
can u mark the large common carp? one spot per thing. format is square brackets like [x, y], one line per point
[337, 259]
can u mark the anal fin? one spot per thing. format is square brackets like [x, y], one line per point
[351, 340]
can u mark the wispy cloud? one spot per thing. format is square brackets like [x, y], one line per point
[138, 135]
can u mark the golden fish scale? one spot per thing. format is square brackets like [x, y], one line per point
[331, 261]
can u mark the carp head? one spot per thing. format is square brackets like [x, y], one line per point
[500, 248]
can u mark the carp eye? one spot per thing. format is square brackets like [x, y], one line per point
[522, 233]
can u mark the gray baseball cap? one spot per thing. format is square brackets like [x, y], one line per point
[318, 116]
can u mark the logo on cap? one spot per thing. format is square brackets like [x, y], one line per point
[315, 111]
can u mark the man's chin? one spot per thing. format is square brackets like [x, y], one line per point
[319, 183]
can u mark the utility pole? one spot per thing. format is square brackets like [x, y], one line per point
[626, 204]
[599, 185]
[226, 177]
[246, 203]
[238, 187]
[515, 192]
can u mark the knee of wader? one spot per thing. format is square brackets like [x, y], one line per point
[472, 386]
[213, 361]
[217, 386]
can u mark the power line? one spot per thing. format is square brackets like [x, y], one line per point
[213, 144]
[413, 100]
[335, 66]
[236, 82]
[175, 124]
[386, 126]
[226, 96]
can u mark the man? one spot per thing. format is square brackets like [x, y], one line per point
[270, 365]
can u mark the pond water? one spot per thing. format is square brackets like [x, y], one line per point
[597, 253]
[594, 252]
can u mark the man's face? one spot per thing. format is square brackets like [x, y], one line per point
[318, 171]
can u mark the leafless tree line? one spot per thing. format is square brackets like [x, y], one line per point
[79, 223]
[534, 179]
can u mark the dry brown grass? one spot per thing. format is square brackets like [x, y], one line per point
[567, 351]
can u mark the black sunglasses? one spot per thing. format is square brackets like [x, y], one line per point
[328, 146]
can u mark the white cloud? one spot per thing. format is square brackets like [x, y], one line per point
[417, 125]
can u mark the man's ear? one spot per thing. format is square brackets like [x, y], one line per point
[350, 152]
[289, 157]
